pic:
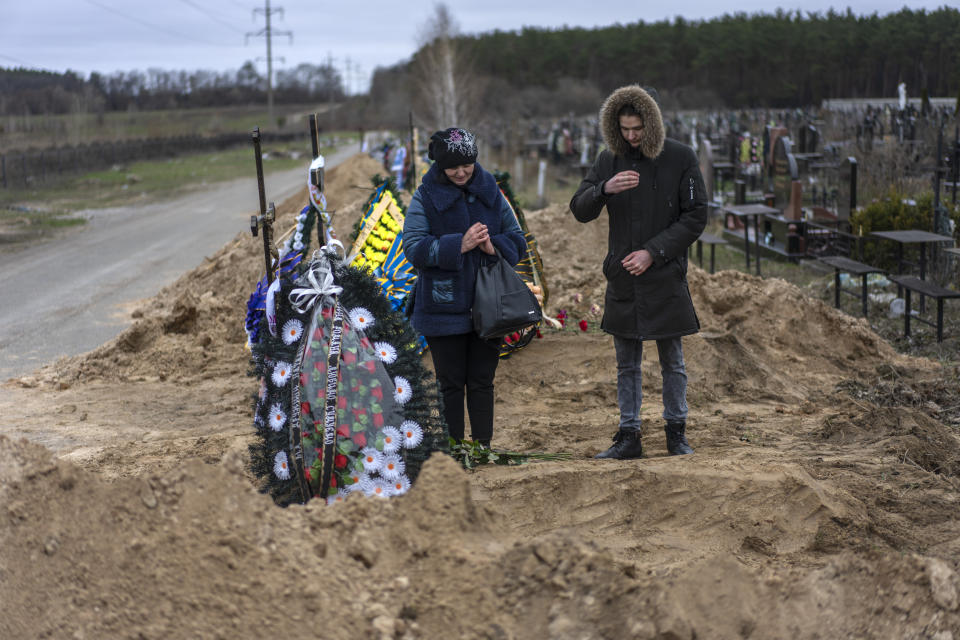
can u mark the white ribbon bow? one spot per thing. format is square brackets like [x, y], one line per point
[319, 278]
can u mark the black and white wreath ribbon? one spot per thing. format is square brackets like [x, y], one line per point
[317, 283]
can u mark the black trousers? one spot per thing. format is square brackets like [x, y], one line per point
[466, 362]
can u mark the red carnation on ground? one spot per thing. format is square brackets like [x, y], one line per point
[539, 335]
[360, 440]
[339, 461]
[583, 325]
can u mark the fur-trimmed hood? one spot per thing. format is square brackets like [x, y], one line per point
[651, 141]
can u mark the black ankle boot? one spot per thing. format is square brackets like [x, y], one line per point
[677, 443]
[626, 445]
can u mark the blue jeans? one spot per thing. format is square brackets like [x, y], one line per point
[630, 391]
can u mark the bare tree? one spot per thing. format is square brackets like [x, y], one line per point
[441, 72]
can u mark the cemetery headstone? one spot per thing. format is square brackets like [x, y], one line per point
[784, 167]
[706, 166]
[847, 188]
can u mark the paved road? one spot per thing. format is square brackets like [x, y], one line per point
[72, 294]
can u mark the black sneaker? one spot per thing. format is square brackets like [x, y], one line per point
[677, 443]
[626, 445]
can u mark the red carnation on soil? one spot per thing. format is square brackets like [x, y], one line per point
[583, 325]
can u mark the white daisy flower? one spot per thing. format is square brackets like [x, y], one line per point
[280, 467]
[400, 485]
[392, 439]
[277, 417]
[357, 479]
[402, 391]
[380, 488]
[392, 466]
[366, 485]
[371, 458]
[361, 318]
[340, 496]
[292, 330]
[281, 373]
[412, 434]
[386, 352]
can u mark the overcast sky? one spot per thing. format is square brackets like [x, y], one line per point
[357, 35]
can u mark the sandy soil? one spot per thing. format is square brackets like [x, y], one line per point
[821, 502]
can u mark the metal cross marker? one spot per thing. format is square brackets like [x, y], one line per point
[267, 214]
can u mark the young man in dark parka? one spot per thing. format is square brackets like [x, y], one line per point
[657, 207]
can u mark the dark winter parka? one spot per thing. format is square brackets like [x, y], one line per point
[664, 214]
[436, 219]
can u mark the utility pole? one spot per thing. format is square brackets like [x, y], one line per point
[267, 32]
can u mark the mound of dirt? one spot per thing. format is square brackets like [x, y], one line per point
[821, 500]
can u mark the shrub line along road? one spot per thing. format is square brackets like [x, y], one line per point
[75, 292]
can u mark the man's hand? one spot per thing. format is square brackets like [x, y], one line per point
[474, 237]
[637, 262]
[621, 182]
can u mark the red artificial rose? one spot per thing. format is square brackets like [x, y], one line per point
[318, 365]
[333, 483]
[317, 334]
[359, 412]
[304, 408]
[306, 473]
[343, 430]
[339, 461]
[515, 336]
[303, 379]
[377, 392]
[341, 402]
[539, 335]
[371, 366]
[378, 420]
[360, 440]
[583, 325]
[365, 342]
[348, 358]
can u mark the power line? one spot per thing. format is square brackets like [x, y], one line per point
[212, 16]
[267, 32]
[152, 26]
[18, 61]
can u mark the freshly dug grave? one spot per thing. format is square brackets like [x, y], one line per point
[821, 501]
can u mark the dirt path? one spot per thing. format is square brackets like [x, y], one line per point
[75, 292]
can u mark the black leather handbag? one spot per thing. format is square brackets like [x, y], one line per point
[502, 301]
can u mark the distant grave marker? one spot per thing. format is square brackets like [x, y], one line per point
[785, 172]
[847, 188]
[706, 166]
